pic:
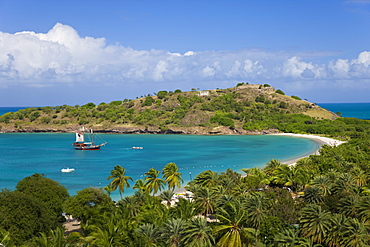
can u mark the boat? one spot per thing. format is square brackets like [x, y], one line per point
[137, 148]
[68, 169]
[81, 144]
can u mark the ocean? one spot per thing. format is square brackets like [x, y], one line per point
[354, 110]
[23, 154]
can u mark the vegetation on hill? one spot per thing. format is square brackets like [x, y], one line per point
[242, 108]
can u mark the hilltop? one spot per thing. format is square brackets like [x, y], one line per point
[244, 109]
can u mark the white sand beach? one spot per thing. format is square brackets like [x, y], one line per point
[319, 139]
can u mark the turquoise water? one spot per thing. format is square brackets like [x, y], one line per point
[355, 110]
[23, 154]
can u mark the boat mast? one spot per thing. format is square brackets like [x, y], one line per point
[92, 137]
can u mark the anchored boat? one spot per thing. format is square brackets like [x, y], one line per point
[81, 144]
[67, 169]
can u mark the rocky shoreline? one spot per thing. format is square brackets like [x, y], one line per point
[143, 130]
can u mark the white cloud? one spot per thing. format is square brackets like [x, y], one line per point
[62, 56]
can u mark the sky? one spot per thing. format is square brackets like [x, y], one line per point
[75, 52]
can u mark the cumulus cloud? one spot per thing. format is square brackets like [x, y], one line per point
[62, 56]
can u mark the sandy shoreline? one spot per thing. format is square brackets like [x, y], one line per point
[319, 139]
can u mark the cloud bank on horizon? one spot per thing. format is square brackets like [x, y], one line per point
[61, 56]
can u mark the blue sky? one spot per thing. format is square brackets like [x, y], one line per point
[75, 52]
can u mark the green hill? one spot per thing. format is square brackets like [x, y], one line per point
[244, 109]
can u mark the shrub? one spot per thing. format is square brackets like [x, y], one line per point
[280, 92]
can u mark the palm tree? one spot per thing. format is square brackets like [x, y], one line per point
[363, 209]
[167, 196]
[314, 223]
[335, 234]
[354, 234]
[129, 206]
[4, 237]
[56, 238]
[345, 185]
[172, 175]
[109, 234]
[185, 209]
[204, 199]
[207, 178]
[148, 235]
[173, 232]
[119, 181]
[313, 195]
[348, 206]
[255, 206]
[108, 189]
[359, 176]
[271, 166]
[323, 183]
[153, 182]
[283, 175]
[198, 234]
[259, 175]
[287, 238]
[140, 185]
[231, 229]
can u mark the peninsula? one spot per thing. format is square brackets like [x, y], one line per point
[243, 109]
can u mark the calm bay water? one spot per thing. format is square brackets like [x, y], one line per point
[23, 154]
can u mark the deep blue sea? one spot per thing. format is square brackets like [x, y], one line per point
[23, 154]
[355, 110]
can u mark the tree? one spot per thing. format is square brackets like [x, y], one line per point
[314, 223]
[56, 238]
[204, 199]
[23, 216]
[354, 234]
[207, 178]
[153, 182]
[271, 166]
[255, 207]
[119, 181]
[185, 209]
[198, 234]
[323, 183]
[279, 91]
[140, 185]
[87, 204]
[110, 233]
[313, 195]
[167, 196]
[231, 230]
[148, 235]
[48, 191]
[287, 238]
[172, 232]
[172, 175]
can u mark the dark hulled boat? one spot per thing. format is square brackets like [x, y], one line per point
[81, 144]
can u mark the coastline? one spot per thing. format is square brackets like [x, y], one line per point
[319, 139]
